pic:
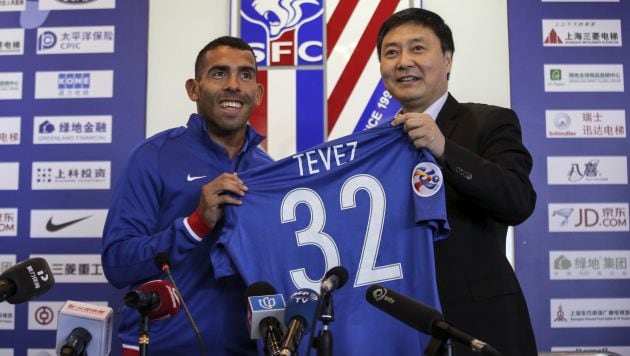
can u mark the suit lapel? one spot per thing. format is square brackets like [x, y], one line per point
[447, 118]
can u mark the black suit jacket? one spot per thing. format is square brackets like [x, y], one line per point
[486, 170]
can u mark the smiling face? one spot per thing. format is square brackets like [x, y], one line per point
[226, 90]
[413, 67]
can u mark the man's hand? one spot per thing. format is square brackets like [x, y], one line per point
[423, 132]
[216, 194]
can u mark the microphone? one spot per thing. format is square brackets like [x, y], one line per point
[335, 278]
[265, 309]
[422, 317]
[162, 262]
[76, 343]
[26, 280]
[157, 299]
[84, 329]
[298, 315]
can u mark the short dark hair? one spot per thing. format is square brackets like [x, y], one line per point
[229, 41]
[419, 17]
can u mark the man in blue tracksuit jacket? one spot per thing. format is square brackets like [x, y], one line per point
[170, 198]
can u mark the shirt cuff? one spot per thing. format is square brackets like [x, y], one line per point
[196, 226]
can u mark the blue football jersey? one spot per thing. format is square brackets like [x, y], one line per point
[369, 202]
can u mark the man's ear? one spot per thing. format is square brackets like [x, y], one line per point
[448, 56]
[192, 88]
[260, 92]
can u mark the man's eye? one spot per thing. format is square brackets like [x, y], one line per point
[247, 75]
[218, 74]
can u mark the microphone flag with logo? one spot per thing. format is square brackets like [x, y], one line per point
[84, 326]
[26, 280]
[158, 299]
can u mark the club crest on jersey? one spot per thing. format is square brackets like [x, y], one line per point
[426, 179]
[284, 32]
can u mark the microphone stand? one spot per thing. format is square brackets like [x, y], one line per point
[438, 345]
[324, 341]
[143, 339]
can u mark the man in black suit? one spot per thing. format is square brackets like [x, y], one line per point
[485, 168]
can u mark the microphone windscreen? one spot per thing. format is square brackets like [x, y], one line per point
[411, 312]
[341, 273]
[169, 301]
[263, 304]
[96, 320]
[259, 288]
[161, 259]
[303, 305]
[31, 278]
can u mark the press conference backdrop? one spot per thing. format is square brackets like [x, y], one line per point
[72, 105]
[568, 61]
[344, 30]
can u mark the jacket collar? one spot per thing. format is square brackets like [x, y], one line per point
[447, 118]
[198, 125]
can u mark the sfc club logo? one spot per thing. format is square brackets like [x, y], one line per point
[284, 32]
[426, 179]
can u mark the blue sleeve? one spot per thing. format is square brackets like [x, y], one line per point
[429, 195]
[133, 232]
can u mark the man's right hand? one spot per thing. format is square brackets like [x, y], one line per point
[216, 194]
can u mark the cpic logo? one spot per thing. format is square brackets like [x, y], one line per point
[46, 40]
[292, 31]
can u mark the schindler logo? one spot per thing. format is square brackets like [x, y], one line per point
[585, 123]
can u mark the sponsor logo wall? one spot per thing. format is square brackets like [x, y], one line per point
[568, 61]
[67, 71]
